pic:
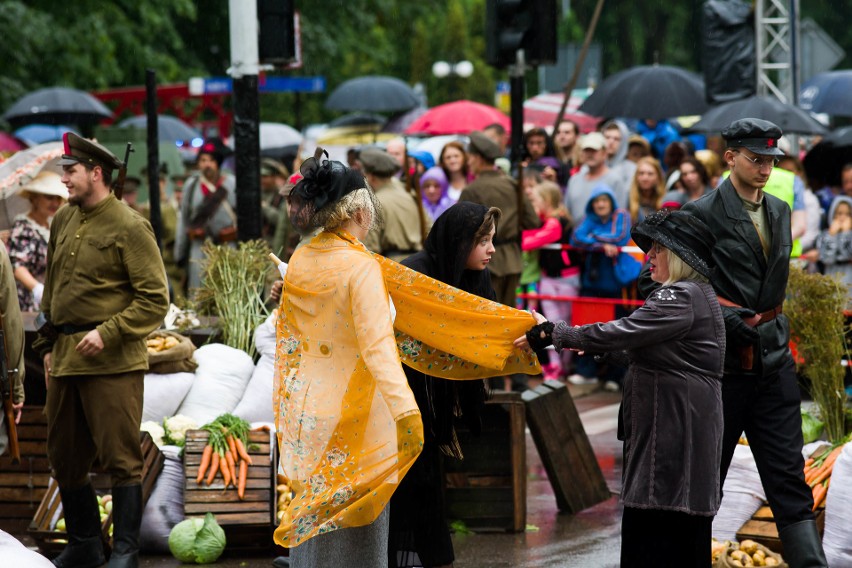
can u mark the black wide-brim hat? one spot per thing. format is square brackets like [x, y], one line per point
[683, 234]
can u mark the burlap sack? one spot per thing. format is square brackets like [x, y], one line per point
[177, 359]
[726, 561]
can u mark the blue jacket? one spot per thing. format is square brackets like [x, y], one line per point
[593, 233]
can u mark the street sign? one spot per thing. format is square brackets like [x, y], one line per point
[819, 52]
[223, 85]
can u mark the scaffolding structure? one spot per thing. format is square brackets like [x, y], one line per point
[777, 49]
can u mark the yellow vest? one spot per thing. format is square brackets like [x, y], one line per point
[780, 184]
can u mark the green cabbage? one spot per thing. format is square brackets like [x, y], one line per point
[811, 428]
[197, 540]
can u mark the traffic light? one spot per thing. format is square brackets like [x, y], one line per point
[521, 24]
[277, 41]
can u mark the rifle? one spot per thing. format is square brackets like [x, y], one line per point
[8, 410]
[118, 186]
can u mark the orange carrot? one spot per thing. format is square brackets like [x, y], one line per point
[205, 463]
[232, 470]
[226, 470]
[824, 472]
[819, 494]
[232, 446]
[241, 450]
[214, 467]
[241, 484]
[809, 462]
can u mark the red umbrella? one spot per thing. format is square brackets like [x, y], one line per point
[460, 117]
[10, 144]
[541, 110]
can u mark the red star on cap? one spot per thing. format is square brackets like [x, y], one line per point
[770, 143]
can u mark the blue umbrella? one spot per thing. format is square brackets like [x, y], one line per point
[169, 128]
[828, 93]
[41, 133]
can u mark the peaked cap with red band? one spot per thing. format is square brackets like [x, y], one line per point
[759, 136]
[83, 151]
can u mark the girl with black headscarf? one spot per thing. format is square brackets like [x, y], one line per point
[456, 252]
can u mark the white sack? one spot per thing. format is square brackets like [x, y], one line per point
[164, 508]
[220, 381]
[164, 395]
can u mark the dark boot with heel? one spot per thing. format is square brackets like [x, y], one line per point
[126, 522]
[802, 545]
[85, 548]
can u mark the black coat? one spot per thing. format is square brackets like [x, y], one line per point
[672, 406]
[744, 276]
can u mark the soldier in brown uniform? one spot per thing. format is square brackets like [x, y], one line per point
[105, 291]
[493, 188]
[401, 235]
[13, 328]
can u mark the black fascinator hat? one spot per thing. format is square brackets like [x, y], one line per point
[683, 234]
[326, 181]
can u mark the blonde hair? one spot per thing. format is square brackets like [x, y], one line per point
[680, 270]
[635, 198]
[335, 215]
[552, 195]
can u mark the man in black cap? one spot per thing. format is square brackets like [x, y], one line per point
[273, 178]
[207, 209]
[760, 393]
[401, 234]
[104, 292]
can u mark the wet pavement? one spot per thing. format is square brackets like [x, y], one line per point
[591, 538]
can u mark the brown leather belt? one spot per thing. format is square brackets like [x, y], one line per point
[747, 352]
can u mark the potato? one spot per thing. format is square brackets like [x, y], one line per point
[741, 557]
[737, 563]
[771, 561]
[748, 546]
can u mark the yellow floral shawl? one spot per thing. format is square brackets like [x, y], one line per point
[339, 450]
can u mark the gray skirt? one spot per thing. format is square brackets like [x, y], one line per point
[355, 547]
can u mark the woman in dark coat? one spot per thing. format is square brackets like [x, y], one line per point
[671, 414]
[456, 252]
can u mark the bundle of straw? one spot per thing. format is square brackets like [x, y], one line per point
[232, 287]
[815, 305]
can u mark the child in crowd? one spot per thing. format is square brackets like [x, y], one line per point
[835, 243]
[560, 269]
[433, 187]
[602, 232]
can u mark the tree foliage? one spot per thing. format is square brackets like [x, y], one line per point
[98, 44]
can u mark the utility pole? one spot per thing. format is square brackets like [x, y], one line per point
[244, 70]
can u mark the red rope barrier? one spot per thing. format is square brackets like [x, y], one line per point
[582, 299]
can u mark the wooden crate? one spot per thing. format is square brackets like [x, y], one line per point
[23, 485]
[761, 528]
[248, 524]
[51, 542]
[488, 489]
[564, 448]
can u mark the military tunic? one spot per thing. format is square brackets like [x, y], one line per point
[401, 236]
[13, 327]
[189, 249]
[104, 270]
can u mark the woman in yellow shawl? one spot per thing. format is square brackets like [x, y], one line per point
[347, 423]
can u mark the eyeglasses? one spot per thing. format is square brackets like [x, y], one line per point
[760, 162]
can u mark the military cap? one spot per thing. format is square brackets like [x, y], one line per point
[482, 145]
[83, 151]
[759, 136]
[378, 162]
[215, 148]
[270, 167]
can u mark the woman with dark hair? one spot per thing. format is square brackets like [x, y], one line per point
[671, 413]
[453, 160]
[456, 252]
[694, 178]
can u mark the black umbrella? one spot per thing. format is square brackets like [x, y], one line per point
[824, 162]
[828, 93]
[648, 91]
[374, 93]
[169, 128]
[357, 119]
[57, 105]
[789, 118]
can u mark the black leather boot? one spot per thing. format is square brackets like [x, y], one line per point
[126, 520]
[802, 545]
[85, 547]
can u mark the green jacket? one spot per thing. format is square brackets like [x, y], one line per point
[13, 326]
[104, 268]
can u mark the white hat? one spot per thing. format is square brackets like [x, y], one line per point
[46, 183]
